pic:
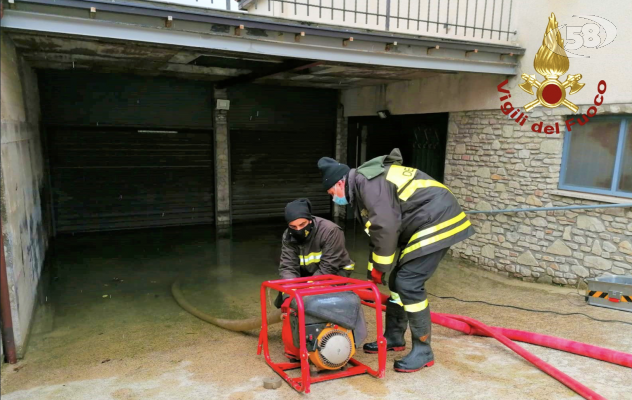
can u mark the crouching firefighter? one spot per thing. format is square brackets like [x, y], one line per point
[412, 220]
[311, 246]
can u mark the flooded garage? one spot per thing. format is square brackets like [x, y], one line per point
[149, 150]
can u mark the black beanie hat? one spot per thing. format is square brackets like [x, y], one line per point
[300, 208]
[332, 171]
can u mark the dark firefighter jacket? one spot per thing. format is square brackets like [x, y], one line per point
[406, 213]
[322, 253]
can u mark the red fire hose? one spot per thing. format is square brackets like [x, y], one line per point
[505, 336]
[569, 346]
[571, 383]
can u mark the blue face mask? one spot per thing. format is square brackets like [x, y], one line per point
[342, 201]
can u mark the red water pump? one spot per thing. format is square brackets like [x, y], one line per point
[323, 324]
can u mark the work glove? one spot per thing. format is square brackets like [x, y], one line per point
[376, 276]
[280, 299]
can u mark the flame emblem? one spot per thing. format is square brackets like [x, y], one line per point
[551, 62]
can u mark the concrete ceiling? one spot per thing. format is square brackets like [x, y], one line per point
[60, 52]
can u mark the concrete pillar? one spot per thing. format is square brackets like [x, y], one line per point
[222, 164]
[340, 212]
[222, 269]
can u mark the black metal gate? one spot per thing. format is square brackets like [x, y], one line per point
[421, 138]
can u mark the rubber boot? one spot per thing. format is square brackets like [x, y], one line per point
[396, 324]
[421, 355]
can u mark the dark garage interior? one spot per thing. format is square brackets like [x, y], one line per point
[128, 151]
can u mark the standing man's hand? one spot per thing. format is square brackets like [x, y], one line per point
[376, 276]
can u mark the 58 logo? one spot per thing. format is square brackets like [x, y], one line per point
[592, 35]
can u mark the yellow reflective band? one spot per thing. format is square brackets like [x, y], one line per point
[350, 267]
[416, 307]
[396, 299]
[383, 259]
[436, 238]
[370, 266]
[420, 184]
[400, 175]
[368, 225]
[310, 258]
[437, 227]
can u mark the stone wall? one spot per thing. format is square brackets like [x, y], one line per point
[494, 163]
[25, 221]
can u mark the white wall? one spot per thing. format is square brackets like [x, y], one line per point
[462, 92]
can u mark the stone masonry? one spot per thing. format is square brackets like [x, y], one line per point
[493, 163]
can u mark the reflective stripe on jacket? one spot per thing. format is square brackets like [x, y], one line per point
[322, 253]
[406, 213]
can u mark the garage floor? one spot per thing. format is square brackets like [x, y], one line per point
[111, 330]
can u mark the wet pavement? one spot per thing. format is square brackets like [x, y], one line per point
[111, 330]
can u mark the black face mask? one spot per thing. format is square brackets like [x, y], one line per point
[301, 235]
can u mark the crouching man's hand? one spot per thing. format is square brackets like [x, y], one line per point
[281, 297]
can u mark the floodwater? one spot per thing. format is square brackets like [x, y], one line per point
[111, 330]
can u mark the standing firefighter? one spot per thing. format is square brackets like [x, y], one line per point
[412, 220]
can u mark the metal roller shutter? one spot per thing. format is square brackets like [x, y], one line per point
[270, 169]
[122, 178]
[277, 136]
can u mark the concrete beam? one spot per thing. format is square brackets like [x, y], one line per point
[286, 66]
[26, 21]
[262, 23]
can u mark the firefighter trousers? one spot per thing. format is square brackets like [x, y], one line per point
[407, 281]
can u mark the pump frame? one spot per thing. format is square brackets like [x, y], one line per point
[298, 288]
